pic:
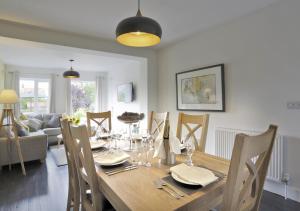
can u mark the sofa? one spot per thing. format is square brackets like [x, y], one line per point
[33, 147]
[51, 130]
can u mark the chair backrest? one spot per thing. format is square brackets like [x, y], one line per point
[198, 122]
[69, 149]
[86, 169]
[247, 171]
[158, 124]
[99, 119]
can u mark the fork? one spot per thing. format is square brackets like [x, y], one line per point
[158, 185]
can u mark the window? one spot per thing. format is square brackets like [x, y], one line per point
[83, 96]
[34, 95]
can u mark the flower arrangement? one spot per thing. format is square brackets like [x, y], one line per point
[73, 119]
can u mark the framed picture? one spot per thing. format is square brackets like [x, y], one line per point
[202, 89]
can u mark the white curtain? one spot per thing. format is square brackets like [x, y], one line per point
[52, 93]
[100, 94]
[68, 96]
[11, 81]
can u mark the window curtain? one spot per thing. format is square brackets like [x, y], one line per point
[11, 81]
[100, 94]
[52, 93]
[68, 96]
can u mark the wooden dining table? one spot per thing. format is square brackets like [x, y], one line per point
[135, 189]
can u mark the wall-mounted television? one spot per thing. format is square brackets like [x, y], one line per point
[125, 93]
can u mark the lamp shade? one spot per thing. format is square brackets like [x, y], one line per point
[8, 96]
[138, 31]
[71, 73]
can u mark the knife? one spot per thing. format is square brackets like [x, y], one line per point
[122, 170]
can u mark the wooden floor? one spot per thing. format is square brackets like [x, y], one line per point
[45, 189]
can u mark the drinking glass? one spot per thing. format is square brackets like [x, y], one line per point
[189, 151]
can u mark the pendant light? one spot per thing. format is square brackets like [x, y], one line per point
[138, 31]
[71, 73]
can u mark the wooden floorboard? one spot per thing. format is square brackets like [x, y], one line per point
[45, 188]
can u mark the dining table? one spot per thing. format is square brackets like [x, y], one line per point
[135, 189]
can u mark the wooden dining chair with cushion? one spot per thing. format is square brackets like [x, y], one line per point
[247, 171]
[86, 170]
[193, 124]
[73, 202]
[158, 124]
[99, 119]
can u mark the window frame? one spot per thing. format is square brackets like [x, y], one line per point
[36, 92]
[84, 80]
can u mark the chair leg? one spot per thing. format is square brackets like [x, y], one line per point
[69, 202]
[76, 201]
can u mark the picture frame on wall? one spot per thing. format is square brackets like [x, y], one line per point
[201, 89]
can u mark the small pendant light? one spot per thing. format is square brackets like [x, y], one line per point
[138, 31]
[71, 73]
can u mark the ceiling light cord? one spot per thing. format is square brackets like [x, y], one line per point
[139, 14]
[71, 61]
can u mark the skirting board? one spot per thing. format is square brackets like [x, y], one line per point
[293, 193]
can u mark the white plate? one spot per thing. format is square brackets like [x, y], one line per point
[175, 177]
[104, 136]
[112, 164]
[97, 144]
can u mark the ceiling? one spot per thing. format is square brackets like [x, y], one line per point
[178, 18]
[38, 55]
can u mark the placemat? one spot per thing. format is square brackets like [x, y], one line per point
[190, 189]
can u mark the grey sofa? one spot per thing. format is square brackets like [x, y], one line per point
[51, 132]
[33, 147]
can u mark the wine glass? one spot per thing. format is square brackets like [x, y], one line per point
[190, 147]
[148, 147]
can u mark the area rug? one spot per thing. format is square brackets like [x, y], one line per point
[59, 155]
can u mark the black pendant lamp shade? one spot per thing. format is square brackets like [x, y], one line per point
[138, 31]
[71, 73]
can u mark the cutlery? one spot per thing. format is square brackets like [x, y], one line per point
[178, 192]
[122, 170]
[118, 169]
[158, 185]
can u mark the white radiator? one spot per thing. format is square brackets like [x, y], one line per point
[224, 145]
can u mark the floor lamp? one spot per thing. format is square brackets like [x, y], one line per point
[8, 97]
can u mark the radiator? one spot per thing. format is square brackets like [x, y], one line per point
[224, 145]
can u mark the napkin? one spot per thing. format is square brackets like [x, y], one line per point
[107, 158]
[174, 144]
[194, 174]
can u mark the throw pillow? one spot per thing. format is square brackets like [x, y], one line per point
[53, 122]
[23, 117]
[21, 129]
[34, 124]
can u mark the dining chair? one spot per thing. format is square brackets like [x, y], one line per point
[74, 191]
[247, 171]
[86, 170]
[99, 119]
[197, 122]
[158, 124]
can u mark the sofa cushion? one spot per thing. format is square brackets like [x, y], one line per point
[37, 133]
[34, 124]
[52, 131]
[35, 115]
[53, 122]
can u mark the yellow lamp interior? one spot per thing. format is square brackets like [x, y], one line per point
[138, 39]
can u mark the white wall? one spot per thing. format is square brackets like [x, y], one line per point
[130, 73]
[261, 53]
[2, 69]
